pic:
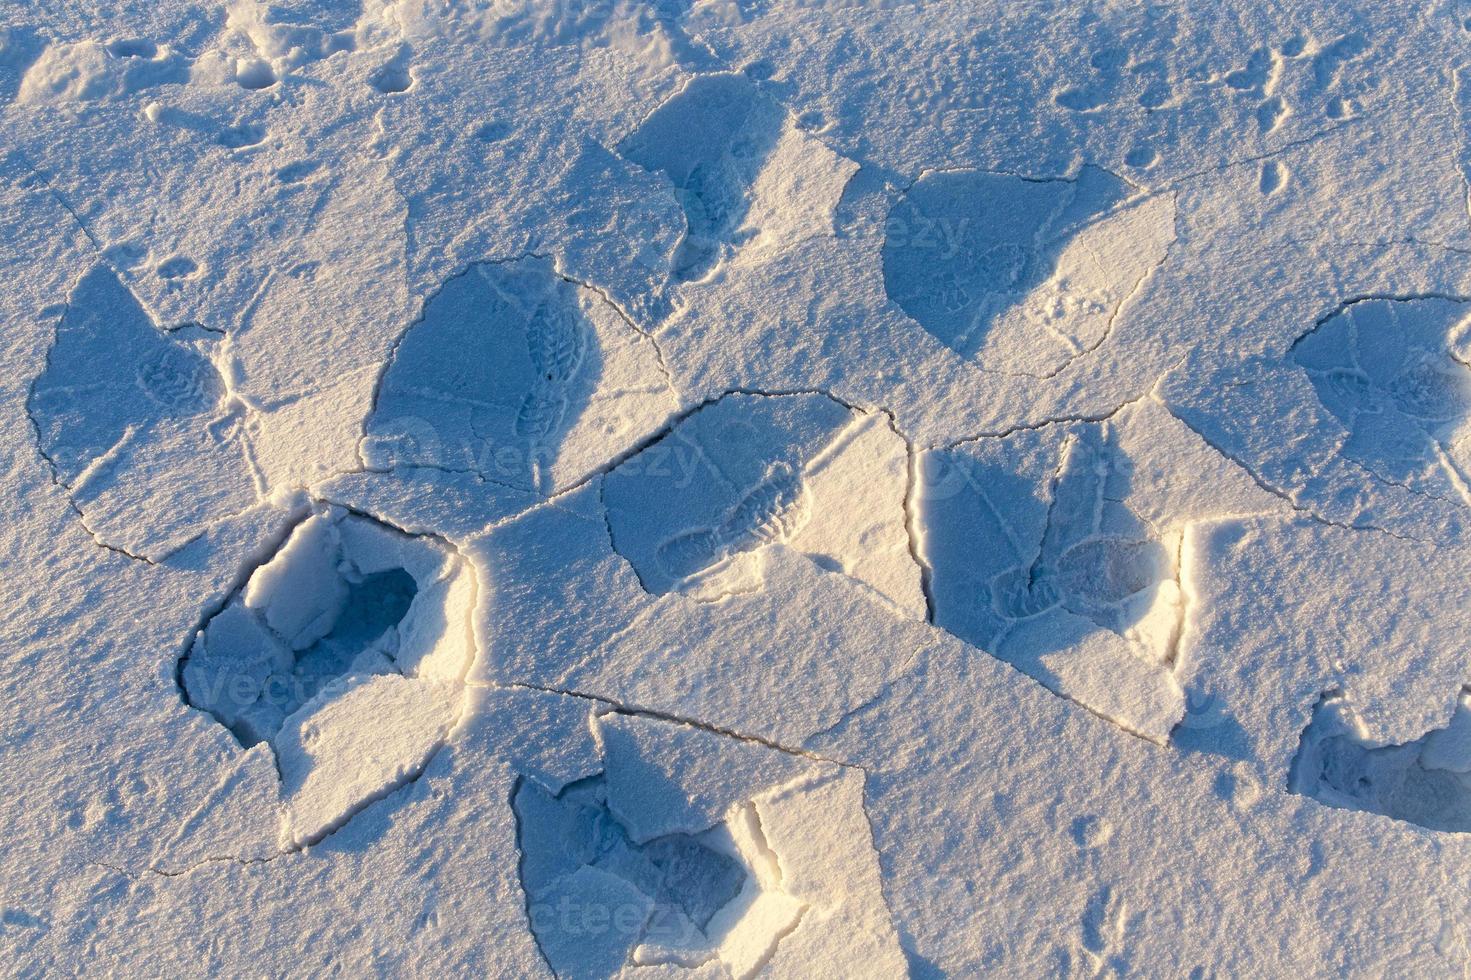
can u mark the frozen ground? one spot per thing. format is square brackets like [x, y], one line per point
[677, 490]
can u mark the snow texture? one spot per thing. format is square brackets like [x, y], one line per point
[684, 489]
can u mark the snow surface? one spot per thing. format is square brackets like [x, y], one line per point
[674, 489]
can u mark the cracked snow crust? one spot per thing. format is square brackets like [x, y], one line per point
[659, 489]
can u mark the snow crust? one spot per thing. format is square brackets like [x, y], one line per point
[729, 488]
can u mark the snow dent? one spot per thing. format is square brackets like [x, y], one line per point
[1036, 556]
[1388, 372]
[1379, 394]
[346, 653]
[695, 510]
[751, 183]
[1425, 782]
[1018, 274]
[1074, 551]
[663, 858]
[520, 376]
[138, 425]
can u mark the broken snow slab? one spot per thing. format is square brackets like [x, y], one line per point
[1426, 781]
[1018, 274]
[520, 376]
[692, 849]
[1066, 551]
[139, 425]
[780, 660]
[693, 511]
[751, 182]
[1366, 419]
[663, 779]
[262, 43]
[345, 653]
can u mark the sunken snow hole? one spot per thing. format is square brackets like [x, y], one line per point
[1425, 782]
[670, 889]
[682, 848]
[347, 604]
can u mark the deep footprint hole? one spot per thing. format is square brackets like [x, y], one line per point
[303, 624]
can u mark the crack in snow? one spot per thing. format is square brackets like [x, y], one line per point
[625, 708]
[1279, 493]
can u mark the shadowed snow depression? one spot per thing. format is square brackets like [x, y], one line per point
[719, 489]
